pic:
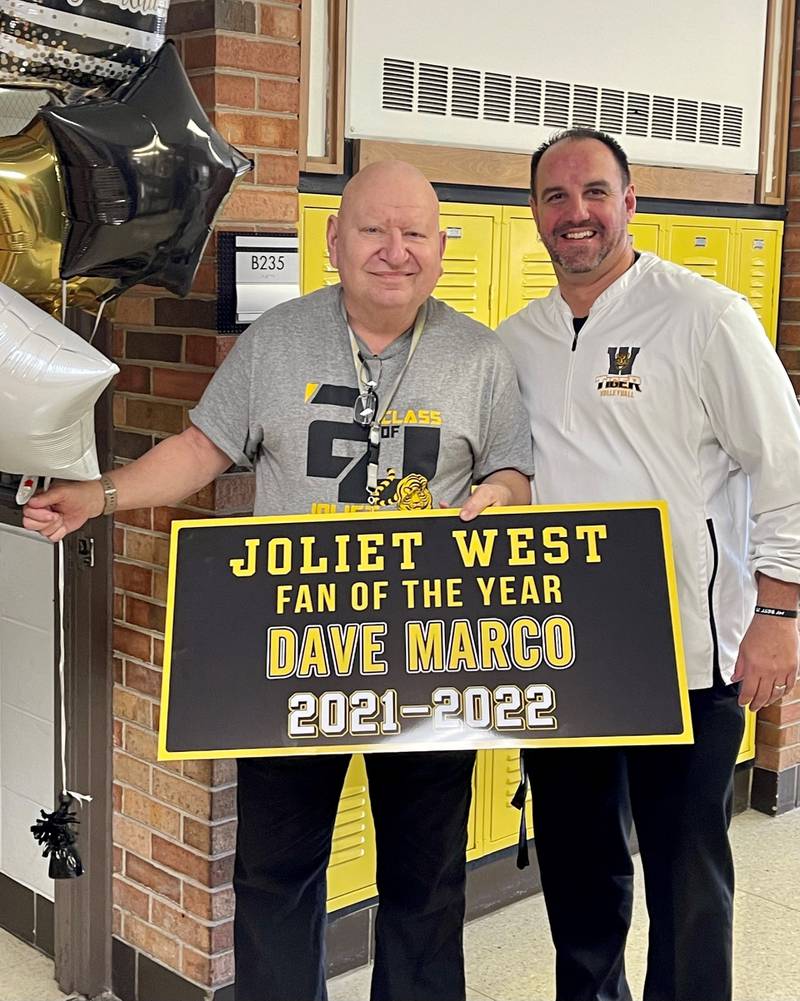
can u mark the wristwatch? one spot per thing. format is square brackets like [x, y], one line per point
[109, 494]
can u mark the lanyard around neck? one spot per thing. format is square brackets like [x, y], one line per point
[374, 436]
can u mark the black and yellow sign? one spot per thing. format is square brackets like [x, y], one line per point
[400, 632]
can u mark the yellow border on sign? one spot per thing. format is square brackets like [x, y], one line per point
[684, 737]
[677, 630]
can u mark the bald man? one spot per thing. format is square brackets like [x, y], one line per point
[347, 399]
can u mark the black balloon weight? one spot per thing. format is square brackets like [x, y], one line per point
[144, 173]
[55, 832]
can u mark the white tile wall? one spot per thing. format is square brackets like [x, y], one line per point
[26, 753]
[27, 644]
[24, 652]
[26, 577]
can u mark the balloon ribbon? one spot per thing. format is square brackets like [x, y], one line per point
[55, 831]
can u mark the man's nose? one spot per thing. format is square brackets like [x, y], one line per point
[577, 209]
[394, 249]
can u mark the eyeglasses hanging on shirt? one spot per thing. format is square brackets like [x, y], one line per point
[368, 411]
[366, 405]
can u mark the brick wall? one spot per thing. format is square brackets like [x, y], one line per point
[789, 317]
[776, 785]
[174, 823]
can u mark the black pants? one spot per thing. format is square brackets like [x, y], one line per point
[680, 800]
[287, 806]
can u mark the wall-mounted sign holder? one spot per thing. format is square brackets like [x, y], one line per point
[255, 272]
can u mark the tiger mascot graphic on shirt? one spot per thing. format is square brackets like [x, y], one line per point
[411, 493]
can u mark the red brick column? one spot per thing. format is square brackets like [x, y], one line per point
[776, 779]
[174, 823]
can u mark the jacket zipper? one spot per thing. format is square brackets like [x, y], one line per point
[712, 623]
[566, 422]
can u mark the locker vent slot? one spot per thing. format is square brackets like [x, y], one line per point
[732, 126]
[584, 107]
[350, 831]
[710, 121]
[663, 117]
[398, 84]
[466, 97]
[438, 89]
[497, 97]
[638, 114]
[433, 85]
[612, 105]
[556, 104]
[528, 101]
[686, 125]
[512, 779]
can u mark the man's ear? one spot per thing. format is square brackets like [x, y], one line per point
[534, 211]
[630, 201]
[332, 236]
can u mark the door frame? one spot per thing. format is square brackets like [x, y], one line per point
[83, 907]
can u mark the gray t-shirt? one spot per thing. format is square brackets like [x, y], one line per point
[282, 401]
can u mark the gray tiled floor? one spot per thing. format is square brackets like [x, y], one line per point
[509, 957]
[25, 974]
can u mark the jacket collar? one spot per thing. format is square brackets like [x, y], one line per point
[625, 281]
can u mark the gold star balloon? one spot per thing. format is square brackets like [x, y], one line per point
[33, 224]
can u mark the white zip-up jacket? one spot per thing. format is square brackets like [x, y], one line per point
[672, 391]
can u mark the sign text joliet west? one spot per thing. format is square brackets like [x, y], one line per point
[399, 632]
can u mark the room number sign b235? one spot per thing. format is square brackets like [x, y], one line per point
[267, 262]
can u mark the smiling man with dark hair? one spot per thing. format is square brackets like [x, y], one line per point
[644, 381]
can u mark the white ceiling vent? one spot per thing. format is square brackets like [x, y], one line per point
[611, 110]
[497, 97]
[432, 92]
[691, 100]
[466, 100]
[732, 126]
[398, 85]
[528, 101]
[470, 93]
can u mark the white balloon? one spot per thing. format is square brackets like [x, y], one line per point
[50, 380]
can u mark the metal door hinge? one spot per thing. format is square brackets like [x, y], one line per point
[86, 551]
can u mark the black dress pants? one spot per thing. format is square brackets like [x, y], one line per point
[287, 807]
[680, 800]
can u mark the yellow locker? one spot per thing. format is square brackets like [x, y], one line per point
[748, 749]
[758, 270]
[648, 233]
[501, 820]
[316, 270]
[351, 870]
[707, 246]
[471, 259]
[526, 269]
